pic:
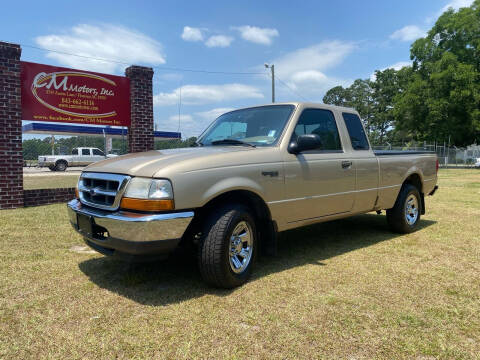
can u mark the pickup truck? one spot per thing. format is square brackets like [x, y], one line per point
[80, 157]
[254, 172]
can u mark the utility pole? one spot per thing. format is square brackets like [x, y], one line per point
[272, 69]
[53, 144]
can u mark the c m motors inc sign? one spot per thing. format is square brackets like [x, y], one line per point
[59, 94]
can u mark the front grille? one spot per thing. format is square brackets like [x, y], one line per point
[103, 191]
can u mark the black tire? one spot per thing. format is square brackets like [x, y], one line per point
[397, 216]
[52, 167]
[214, 252]
[61, 165]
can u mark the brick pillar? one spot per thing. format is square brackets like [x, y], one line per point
[11, 157]
[140, 133]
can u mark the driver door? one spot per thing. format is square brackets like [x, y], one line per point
[319, 182]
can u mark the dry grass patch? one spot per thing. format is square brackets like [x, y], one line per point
[346, 289]
[50, 182]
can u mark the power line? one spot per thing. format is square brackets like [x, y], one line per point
[291, 90]
[167, 68]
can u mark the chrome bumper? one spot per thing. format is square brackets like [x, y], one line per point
[130, 232]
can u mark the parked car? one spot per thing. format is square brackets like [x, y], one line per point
[477, 163]
[255, 172]
[81, 156]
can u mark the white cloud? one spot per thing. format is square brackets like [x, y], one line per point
[105, 41]
[219, 41]
[303, 70]
[183, 118]
[408, 33]
[413, 32]
[188, 126]
[257, 35]
[171, 77]
[212, 114]
[205, 94]
[397, 66]
[192, 34]
[308, 75]
[456, 4]
[318, 57]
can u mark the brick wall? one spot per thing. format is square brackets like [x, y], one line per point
[11, 158]
[140, 134]
[47, 196]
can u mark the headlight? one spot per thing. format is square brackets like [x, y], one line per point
[148, 195]
[143, 188]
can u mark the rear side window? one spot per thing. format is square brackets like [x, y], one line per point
[356, 132]
[322, 123]
[85, 151]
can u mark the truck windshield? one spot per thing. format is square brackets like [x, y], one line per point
[259, 126]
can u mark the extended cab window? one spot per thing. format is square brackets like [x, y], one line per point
[98, 152]
[85, 152]
[75, 152]
[356, 132]
[322, 123]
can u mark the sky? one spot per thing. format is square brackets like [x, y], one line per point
[314, 46]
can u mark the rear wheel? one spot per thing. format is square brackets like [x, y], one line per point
[228, 250]
[405, 214]
[51, 167]
[61, 165]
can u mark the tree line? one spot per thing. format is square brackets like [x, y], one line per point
[437, 98]
[33, 148]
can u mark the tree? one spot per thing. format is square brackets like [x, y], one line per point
[361, 96]
[442, 98]
[338, 96]
[444, 104]
[436, 99]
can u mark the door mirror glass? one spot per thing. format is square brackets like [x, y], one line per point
[304, 143]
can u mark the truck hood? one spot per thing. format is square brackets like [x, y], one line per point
[148, 163]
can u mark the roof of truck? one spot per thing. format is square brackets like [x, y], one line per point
[305, 104]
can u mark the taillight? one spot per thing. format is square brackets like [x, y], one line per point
[436, 166]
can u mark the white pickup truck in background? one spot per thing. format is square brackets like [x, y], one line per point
[81, 156]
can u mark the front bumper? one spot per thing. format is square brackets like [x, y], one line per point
[123, 233]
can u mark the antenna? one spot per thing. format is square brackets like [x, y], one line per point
[179, 106]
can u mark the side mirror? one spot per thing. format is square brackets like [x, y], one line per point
[304, 143]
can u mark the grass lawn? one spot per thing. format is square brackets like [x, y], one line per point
[347, 289]
[50, 182]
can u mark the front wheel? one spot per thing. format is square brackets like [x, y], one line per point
[61, 165]
[405, 214]
[228, 251]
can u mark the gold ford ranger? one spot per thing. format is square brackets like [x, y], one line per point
[254, 172]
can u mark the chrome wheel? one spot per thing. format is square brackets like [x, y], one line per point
[241, 247]
[411, 209]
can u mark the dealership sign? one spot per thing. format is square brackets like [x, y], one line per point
[73, 96]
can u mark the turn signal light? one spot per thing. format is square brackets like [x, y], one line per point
[77, 196]
[146, 204]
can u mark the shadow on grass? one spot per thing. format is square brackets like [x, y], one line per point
[178, 279]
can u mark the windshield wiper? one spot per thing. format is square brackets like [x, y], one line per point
[231, 142]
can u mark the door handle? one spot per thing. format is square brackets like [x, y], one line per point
[346, 164]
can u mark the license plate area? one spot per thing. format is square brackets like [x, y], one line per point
[85, 224]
